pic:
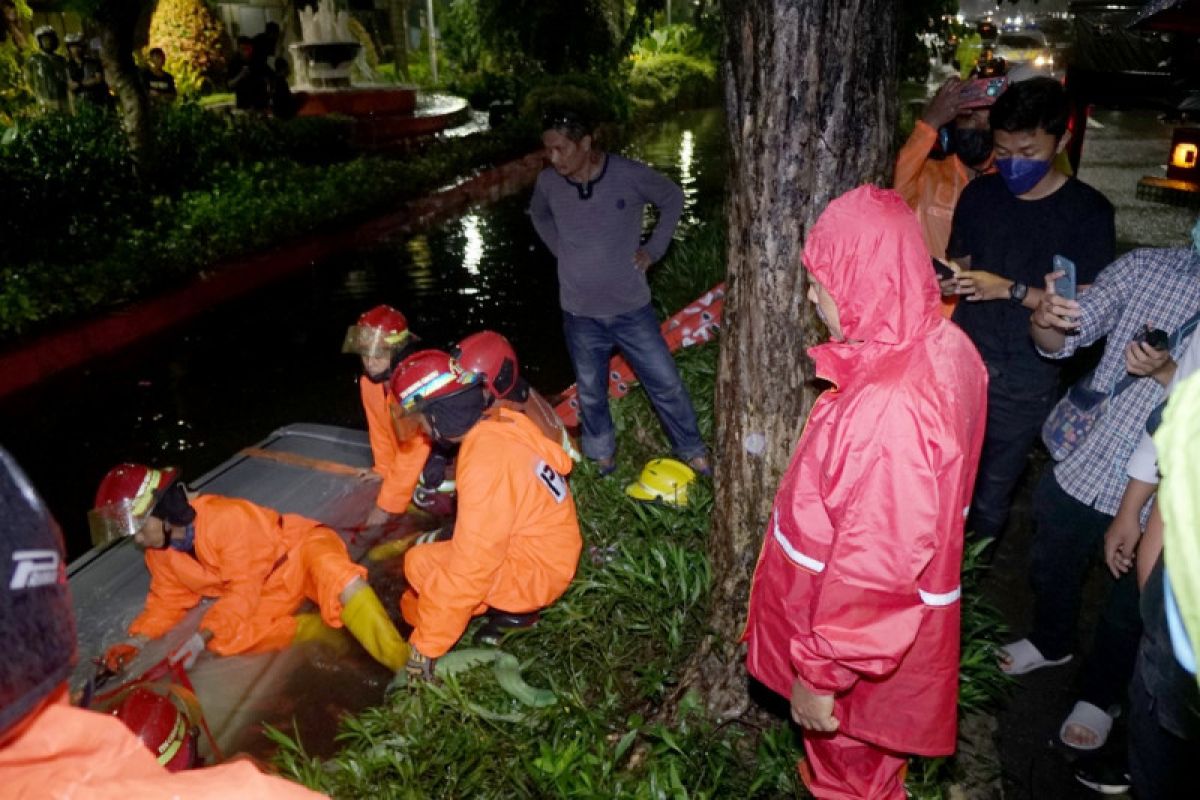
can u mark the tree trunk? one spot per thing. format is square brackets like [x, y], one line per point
[398, 13]
[810, 96]
[123, 27]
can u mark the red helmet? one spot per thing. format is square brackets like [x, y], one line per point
[162, 726]
[428, 375]
[379, 332]
[126, 496]
[490, 355]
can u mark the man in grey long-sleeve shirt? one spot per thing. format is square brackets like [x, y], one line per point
[587, 207]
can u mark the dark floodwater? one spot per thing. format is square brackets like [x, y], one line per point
[196, 394]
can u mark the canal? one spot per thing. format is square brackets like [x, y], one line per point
[195, 395]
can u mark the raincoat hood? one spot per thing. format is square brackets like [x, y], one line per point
[866, 250]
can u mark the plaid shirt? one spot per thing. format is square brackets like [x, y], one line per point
[1158, 287]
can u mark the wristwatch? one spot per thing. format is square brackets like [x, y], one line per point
[1017, 292]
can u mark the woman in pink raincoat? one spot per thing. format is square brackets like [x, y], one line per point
[854, 609]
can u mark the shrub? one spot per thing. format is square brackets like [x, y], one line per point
[599, 97]
[195, 41]
[674, 81]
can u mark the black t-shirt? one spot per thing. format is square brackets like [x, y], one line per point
[161, 85]
[1018, 240]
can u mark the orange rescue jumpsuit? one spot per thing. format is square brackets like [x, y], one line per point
[72, 754]
[516, 540]
[398, 463]
[260, 564]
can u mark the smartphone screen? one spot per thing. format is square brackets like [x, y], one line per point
[944, 271]
[1064, 286]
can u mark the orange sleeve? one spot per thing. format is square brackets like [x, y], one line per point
[910, 161]
[379, 424]
[488, 504]
[402, 474]
[167, 603]
[241, 540]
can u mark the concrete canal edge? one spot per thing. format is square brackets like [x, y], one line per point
[82, 341]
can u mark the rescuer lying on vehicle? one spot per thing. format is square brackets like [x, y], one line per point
[516, 541]
[49, 748]
[259, 564]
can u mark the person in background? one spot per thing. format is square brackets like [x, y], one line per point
[49, 748]
[160, 84]
[854, 607]
[85, 73]
[587, 208]
[515, 543]
[931, 185]
[260, 566]
[250, 78]
[46, 72]
[1008, 227]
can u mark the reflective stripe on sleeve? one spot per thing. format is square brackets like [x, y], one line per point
[808, 562]
[943, 599]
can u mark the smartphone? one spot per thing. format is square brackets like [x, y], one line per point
[981, 92]
[944, 271]
[1153, 337]
[1064, 286]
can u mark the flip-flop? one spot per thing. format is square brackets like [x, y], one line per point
[1092, 719]
[1024, 657]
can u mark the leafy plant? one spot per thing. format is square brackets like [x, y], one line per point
[194, 40]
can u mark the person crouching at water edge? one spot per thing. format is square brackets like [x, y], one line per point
[260, 565]
[854, 609]
[49, 748]
[516, 542]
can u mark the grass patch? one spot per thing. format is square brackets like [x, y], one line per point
[611, 649]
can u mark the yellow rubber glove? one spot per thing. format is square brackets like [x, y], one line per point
[366, 618]
[311, 628]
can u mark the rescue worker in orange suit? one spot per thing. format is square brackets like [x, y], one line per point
[382, 339]
[49, 748]
[490, 356]
[951, 145]
[854, 611]
[516, 542]
[258, 564]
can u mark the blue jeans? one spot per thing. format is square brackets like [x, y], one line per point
[591, 341]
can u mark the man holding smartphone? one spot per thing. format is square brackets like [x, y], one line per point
[1008, 227]
[1084, 499]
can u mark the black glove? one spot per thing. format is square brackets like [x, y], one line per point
[418, 667]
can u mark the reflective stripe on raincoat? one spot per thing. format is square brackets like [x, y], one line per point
[259, 564]
[516, 539]
[398, 463]
[856, 591]
[71, 754]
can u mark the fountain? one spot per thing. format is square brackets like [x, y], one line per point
[383, 113]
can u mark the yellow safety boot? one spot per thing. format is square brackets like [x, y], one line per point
[367, 620]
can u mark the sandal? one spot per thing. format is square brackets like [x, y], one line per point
[701, 466]
[1090, 718]
[1023, 658]
[605, 466]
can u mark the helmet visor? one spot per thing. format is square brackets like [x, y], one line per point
[373, 342]
[406, 424]
[115, 521]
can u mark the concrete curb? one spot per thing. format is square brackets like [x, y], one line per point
[80, 342]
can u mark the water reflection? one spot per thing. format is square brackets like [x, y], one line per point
[473, 248]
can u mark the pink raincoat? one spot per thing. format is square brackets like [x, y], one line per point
[857, 589]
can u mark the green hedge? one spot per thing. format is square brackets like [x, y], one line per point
[83, 234]
[674, 81]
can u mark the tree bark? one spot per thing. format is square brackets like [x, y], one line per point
[810, 96]
[398, 14]
[123, 27]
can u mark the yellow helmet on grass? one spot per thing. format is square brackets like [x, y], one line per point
[665, 480]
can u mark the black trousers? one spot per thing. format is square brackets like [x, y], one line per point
[1069, 536]
[1014, 420]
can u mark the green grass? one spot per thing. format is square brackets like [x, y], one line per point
[611, 649]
